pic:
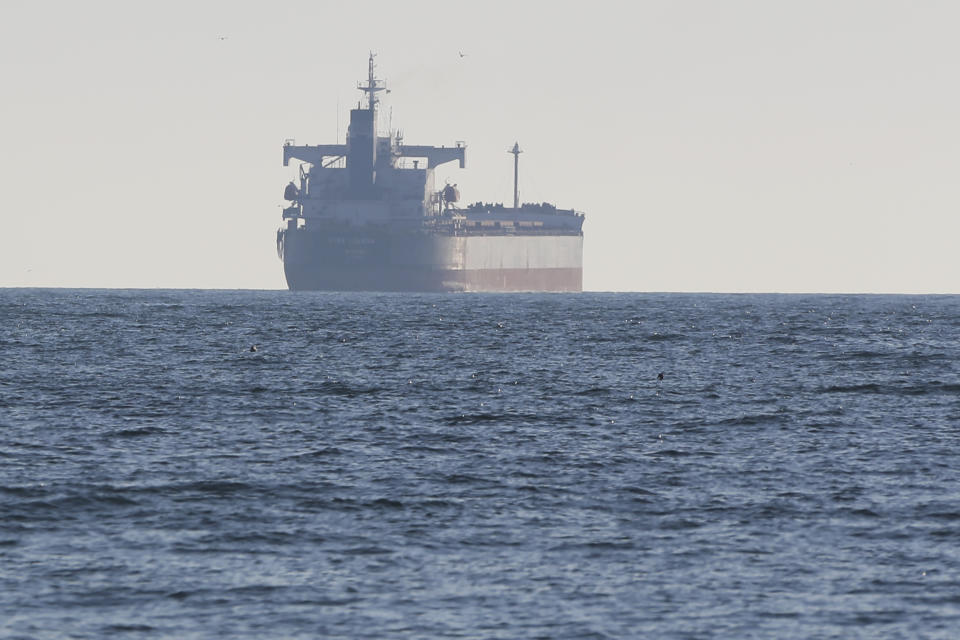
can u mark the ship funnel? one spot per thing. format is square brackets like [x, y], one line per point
[362, 137]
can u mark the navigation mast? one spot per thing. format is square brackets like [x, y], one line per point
[516, 151]
[373, 86]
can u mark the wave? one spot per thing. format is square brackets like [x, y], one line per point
[663, 337]
[755, 419]
[933, 387]
[140, 431]
[317, 453]
[594, 391]
[474, 418]
[127, 628]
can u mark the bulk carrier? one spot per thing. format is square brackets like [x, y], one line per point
[367, 216]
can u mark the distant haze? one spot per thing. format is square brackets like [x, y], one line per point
[714, 146]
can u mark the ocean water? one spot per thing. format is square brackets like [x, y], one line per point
[478, 466]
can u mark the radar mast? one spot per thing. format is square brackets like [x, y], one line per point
[373, 86]
[516, 151]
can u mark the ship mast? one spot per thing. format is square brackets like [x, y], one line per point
[372, 87]
[516, 151]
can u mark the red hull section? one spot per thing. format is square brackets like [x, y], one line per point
[434, 280]
[558, 279]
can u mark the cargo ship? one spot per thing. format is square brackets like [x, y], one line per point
[367, 216]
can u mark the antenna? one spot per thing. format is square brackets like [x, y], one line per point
[516, 151]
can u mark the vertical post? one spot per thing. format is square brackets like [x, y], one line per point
[516, 173]
[371, 83]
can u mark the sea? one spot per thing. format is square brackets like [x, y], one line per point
[268, 464]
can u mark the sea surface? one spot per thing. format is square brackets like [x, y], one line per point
[478, 466]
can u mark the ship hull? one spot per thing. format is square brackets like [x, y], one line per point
[379, 260]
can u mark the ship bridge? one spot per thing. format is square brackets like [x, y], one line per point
[366, 153]
[364, 179]
[315, 154]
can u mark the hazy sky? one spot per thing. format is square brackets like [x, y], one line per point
[737, 145]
